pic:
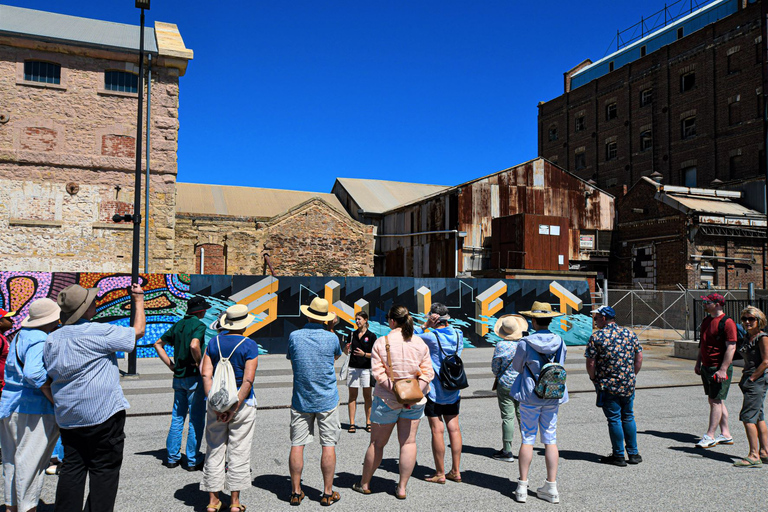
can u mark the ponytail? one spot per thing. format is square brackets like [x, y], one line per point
[403, 319]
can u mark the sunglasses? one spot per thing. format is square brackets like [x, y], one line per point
[748, 319]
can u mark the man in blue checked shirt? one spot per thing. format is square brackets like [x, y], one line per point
[88, 401]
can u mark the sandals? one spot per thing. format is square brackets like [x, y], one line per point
[452, 477]
[296, 498]
[367, 427]
[215, 507]
[748, 463]
[240, 506]
[329, 499]
[358, 487]
[352, 429]
[400, 496]
[434, 479]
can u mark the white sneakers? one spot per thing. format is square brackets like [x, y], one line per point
[548, 492]
[721, 439]
[709, 442]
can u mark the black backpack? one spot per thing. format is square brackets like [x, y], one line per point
[451, 375]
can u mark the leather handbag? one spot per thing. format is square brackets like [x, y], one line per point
[407, 391]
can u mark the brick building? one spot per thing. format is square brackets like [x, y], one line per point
[684, 101]
[698, 238]
[67, 140]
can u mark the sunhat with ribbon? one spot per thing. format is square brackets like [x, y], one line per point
[541, 310]
[510, 327]
[318, 310]
[236, 317]
[42, 312]
[74, 301]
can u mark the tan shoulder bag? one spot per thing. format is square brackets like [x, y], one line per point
[407, 391]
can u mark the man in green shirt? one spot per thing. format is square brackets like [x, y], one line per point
[187, 337]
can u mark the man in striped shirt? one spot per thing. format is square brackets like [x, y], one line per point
[87, 397]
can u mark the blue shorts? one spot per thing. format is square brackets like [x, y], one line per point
[382, 414]
[533, 418]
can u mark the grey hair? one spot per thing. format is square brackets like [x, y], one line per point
[441, 310]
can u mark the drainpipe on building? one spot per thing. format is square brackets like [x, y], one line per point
[202, 260]
[764, 43]
[146, 188]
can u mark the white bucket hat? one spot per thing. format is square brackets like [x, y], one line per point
[42, 312]
[318, 310]
[510, 327]
[236, 317]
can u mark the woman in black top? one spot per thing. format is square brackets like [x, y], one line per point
[359, 376]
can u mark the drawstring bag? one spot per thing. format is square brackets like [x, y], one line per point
[223, 393]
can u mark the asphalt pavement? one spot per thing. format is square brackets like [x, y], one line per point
[671, 412]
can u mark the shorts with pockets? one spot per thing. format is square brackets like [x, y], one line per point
[303, 427]
[716, 390]
[383, 414]
[359, 378]
[541, 417]
[753, 407]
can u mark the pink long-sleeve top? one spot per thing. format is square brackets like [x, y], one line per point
[410, 358]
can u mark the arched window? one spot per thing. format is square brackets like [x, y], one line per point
[41, 71]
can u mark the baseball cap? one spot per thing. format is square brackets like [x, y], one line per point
[606, 311]
[6, 314]
[715, 297]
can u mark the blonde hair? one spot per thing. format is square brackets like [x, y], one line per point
[752, 310]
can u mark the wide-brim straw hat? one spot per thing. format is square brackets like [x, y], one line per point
[318, 310]
[42, 312]
[510, 327]
[74, 300]
[236, 317]
[541, 310]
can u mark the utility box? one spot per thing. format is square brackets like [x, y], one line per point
[531, 242]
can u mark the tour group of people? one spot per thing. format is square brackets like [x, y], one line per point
[61, 381]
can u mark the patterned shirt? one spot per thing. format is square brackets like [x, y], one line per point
[614, 349]
[81, 361]
[502, 362]
[312, 351]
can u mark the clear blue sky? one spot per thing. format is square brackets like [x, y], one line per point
[292, 94]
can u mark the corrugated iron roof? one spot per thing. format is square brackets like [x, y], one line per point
[265, 203]
[52, 26]
[715, 205]
[378, 196]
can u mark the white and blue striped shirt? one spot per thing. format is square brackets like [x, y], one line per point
[81, 362]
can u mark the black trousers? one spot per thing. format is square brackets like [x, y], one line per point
[96, 452]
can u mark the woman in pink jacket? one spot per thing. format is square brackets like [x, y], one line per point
[409, 359]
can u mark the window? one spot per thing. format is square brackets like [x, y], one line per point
[689, 176]
[121, 81]
[611, 151]
[646, 140]
[552, 133]
[646, 97]
[580, 161]
[733, 63]
[580, 123]
[39, 71]
[611, 112]
[687, 82]
[643, 51]
[688, 127]
[610, 66]
[734, 113]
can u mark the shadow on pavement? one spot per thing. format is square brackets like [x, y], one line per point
[501, 484]
[709, 454]
[280, 486]
[680, 437]
[158, 454]
[344, 481]
[392, 466]
[482, 451]
[577, 455]
[191, 496]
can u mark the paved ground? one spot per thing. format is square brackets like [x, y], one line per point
[671, 414]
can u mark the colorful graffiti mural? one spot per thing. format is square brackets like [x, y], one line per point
[475, 304]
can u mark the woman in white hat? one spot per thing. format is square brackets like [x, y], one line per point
[229, 435]
[28, 430]
[510, 329]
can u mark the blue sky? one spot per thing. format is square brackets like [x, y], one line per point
[292, 94]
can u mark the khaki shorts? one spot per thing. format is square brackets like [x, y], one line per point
[303, 427]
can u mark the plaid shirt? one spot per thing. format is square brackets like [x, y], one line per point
[614, 348]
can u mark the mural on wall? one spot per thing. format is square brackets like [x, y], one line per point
[474, 304]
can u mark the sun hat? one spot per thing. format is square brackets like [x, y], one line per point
[7, 314]
[196, 304]
[74, 301]
[714, 297]
[541, 310]
[42, 312]
[606, 311]
[318, 310]
[510, 327]
[236, 317]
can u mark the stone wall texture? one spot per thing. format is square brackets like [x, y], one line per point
[67, 161]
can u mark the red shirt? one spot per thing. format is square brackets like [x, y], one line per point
[712, 344]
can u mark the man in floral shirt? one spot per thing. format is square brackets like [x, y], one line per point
[614, 357]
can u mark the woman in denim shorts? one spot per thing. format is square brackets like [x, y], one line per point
[753, 384]
[409, 359]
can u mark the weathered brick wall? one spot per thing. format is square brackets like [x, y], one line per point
[310, 239]
[78, 133]
[728, 140]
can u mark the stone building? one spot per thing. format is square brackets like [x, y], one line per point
[68, 108]
[697, 238]
[229, 230]
[685, 100]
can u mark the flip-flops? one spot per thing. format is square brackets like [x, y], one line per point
[748, 463]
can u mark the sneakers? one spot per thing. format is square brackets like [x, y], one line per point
[707, 442]
[196, 467]
[503, 456]
[521, 493]
[171, 465]
[614, 460]
[53, 469]
[721, 439]
[548, 492]
[634, 459]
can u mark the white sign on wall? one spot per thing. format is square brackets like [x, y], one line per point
[543, 229]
